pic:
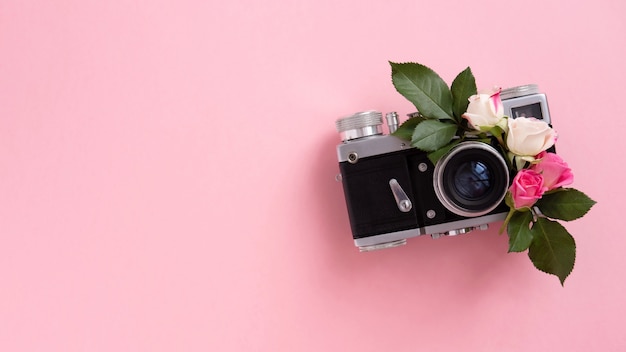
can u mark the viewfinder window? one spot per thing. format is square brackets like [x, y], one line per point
[531, 110]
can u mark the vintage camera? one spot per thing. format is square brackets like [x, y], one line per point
[393, 191]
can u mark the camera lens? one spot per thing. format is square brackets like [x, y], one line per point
[472, 179]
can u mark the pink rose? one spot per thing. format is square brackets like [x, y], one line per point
[554, 170]
[527, 188]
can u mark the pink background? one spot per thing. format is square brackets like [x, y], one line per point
[167, 177]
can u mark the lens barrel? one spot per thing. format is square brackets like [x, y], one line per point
[471, 179]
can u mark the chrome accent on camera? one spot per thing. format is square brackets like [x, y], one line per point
[519, 91]
[376, 240]
[359, 125]
[385, 245]
[392, 121]
[459, 231]
[366, 147]
[479, 223]
[402, 200]
[353, 157]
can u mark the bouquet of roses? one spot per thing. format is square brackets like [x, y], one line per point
[537, 196]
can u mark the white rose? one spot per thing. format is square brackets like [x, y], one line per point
[485, 110]
[528, 136]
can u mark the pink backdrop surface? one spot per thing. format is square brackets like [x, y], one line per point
[167, 177]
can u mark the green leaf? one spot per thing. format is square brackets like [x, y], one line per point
[566, 204]
[553, 249]
[437, 154]
[405, 130]
[463, 87]
[424, 88]
[431, 135]
[519, 230]
[498, 133]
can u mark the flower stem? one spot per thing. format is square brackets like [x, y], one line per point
[506, 220]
